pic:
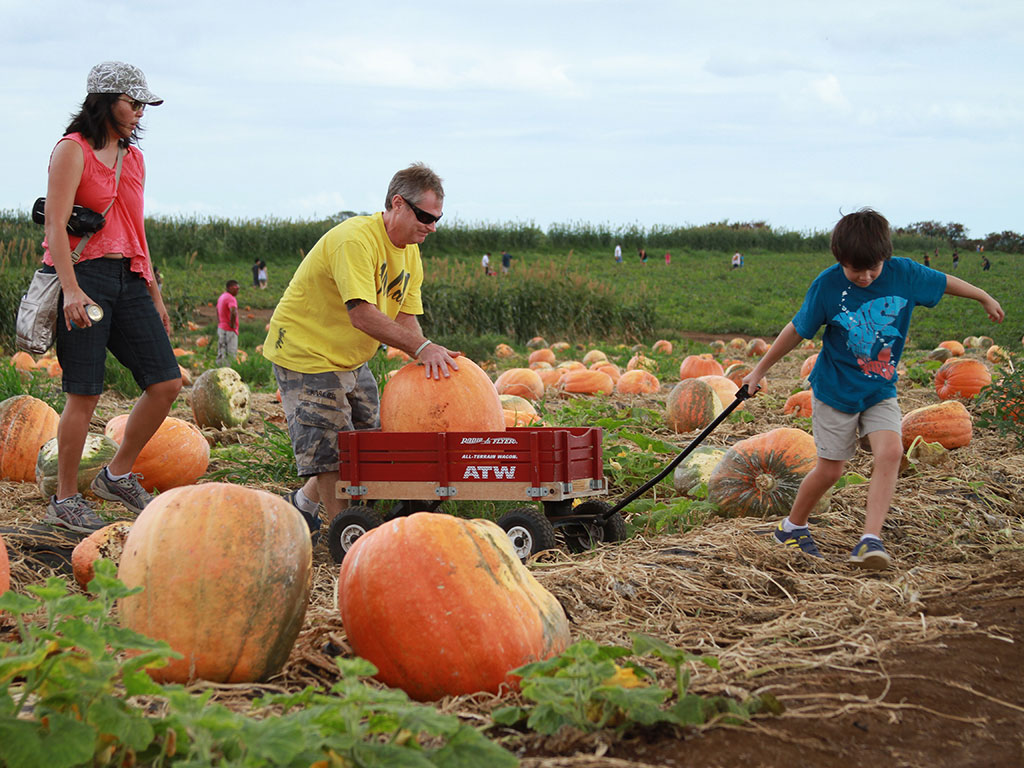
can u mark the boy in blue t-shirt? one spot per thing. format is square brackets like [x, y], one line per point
[864, 302]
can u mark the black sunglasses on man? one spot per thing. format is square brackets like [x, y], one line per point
[422, 216]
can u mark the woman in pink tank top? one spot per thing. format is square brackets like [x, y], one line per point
[110, 300]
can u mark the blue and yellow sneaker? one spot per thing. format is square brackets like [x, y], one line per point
[799, 538]
[870, 554]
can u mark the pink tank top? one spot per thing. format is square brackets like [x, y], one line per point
[124, 231]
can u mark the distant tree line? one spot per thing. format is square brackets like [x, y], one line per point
[215, 240]
[956, 235]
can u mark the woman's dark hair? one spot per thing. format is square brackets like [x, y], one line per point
[96, 114]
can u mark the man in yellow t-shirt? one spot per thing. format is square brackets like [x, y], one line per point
[357, 288]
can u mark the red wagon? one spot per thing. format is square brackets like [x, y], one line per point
[554, 466]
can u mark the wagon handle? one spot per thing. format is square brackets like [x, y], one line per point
[742, 394]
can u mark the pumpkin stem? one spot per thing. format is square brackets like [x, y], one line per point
[765, 483]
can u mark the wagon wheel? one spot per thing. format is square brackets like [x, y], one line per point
[408, 507]
[529, 530]
[348, 526]
[583, 535]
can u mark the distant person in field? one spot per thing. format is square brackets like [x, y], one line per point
[357, 288]
[227, 324]
[618, 253]
[956, 259]
[256, 273]
[927, 259]
[506, 262]
[864, 302]
[985, 264]
[642, 253]
[737, 260]
[261, 275]
[485, 262]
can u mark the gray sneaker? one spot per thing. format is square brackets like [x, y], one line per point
[126, 490]
[73, 514]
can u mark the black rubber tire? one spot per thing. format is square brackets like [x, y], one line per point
[529, 530]
[407, 507]
[348, 526]
[584, 536]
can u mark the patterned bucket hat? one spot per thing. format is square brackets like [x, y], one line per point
[118, 77]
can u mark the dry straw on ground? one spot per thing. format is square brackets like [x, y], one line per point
[726, 590]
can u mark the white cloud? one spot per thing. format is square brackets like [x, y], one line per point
[830, 92]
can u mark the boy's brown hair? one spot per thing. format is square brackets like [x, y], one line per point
[862, 240]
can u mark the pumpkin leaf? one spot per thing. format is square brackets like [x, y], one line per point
[649, 443]
[850, 478]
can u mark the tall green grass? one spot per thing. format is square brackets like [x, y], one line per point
[539, 297]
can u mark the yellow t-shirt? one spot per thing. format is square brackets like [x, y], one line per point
[310, 331]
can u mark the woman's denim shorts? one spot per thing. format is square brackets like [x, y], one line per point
[131, 329]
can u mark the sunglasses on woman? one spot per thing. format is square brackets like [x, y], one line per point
[137, 106]
[422, 216]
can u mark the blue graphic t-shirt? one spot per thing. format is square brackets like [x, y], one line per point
[865, 329]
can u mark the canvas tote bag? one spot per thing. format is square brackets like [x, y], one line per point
[36, 324]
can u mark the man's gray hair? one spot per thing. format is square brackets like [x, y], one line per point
[412, 182]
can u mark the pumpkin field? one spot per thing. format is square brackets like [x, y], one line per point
[686, 637]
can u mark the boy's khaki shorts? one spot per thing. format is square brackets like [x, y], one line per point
[320, 405]
[836, 433]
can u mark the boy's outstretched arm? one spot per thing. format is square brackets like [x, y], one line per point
[957, 287]
[784, 344]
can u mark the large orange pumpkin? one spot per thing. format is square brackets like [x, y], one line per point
[756, 347]
[523, 382]
[26, 423]
[543, 354]
[692, 404]
[662, 346]
[442, 606]
[23, 361]
[955, 347]
[638, 382]
[760, 476]
[593, 356]
[586, 382]
[947, 423]
[518, 411]
[177, 454]
[504, 350]
[738, 371]
[610, 368]
[694, 366]
[551, 377]
[996, 354]
[800, 404]
[961, 377]
[808, 366]
[226, 574]
[464, 401]
[642, 362]
[724, 387]
[106, 543]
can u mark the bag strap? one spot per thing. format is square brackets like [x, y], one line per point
[77, 253]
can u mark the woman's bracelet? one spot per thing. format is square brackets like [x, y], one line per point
[421, 348]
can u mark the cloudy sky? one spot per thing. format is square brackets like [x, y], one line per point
[545, 111]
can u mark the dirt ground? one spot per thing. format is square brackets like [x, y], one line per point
[956, 703]
[918, 666]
